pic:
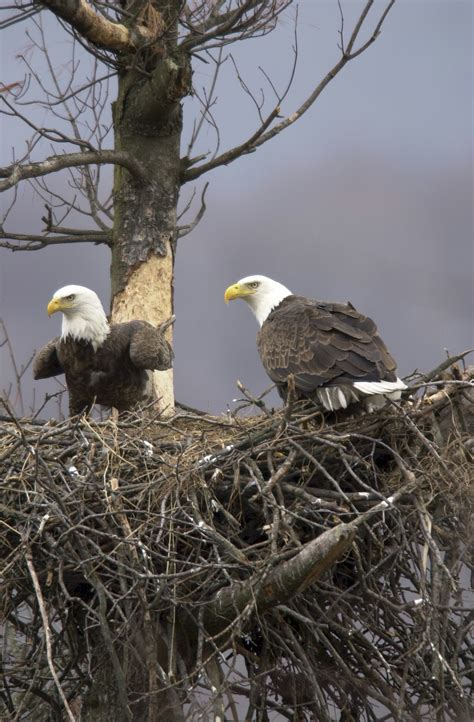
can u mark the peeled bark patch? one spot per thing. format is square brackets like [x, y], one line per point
[155, 304]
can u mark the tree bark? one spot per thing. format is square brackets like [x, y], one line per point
[147, 124]
[95, 28]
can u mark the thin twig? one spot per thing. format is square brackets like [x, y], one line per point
[47, 632]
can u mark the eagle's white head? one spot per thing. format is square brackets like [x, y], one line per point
[261, 293]
[84, 318]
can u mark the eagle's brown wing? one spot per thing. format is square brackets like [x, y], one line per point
[148, 347]
[322, 344]
[46, 362]
[145, 346]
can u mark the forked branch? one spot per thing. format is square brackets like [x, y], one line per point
[97, 29]
[31, 242]
[263, 134]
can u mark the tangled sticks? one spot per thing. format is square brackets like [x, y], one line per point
[257, 568]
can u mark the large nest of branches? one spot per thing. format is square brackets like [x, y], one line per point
[313, 568]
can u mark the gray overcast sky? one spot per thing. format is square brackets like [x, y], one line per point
[367, 198]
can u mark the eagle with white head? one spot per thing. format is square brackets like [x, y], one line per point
[105, 364]
[332, 351]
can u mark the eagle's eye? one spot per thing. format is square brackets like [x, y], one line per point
[71, 297]
[253, 284]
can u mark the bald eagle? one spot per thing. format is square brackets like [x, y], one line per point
[108, 365]
[333, 352]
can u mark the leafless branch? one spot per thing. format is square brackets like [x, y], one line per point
[9, 87]
[47, 632]
[18, 370]
[184, 230]
[249, 146]
[31, 242]
[16, 173]
[249, 17]
[207, 102]
[26, 11]
[252, 400]
[263, 135]
[97, 29]
[52, 134]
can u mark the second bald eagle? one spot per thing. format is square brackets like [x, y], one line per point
[333, 352]
[105, 364]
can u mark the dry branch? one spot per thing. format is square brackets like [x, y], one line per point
[281, 585]
[47, 632]
[16, 173]
[32, 242]
[264, 133]
[97, 29]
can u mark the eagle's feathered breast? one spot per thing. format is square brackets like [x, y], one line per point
[116, 374]
[108, 377]
[322, 344]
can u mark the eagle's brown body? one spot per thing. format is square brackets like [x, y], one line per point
[322, 344]
[116, 374]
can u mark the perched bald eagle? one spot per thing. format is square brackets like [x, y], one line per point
[108, 365]
[333, 352]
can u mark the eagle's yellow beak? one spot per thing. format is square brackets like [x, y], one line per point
[54, 305]
[236, 291]
[232, 292]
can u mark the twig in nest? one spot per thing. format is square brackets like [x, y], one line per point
[290, 398]
[47, 632]
[255, 400]
[445, 365]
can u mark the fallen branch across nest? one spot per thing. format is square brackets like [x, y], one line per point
[280, 566]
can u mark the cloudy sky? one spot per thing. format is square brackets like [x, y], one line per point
[367, 198]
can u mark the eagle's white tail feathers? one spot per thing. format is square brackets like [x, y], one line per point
[333, 398]
[381, 387]
[342, 398]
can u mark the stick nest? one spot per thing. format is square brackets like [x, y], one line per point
[115, 519]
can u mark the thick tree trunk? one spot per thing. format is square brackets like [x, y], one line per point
[148, 125]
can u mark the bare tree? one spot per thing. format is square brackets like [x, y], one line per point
[125, 111]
